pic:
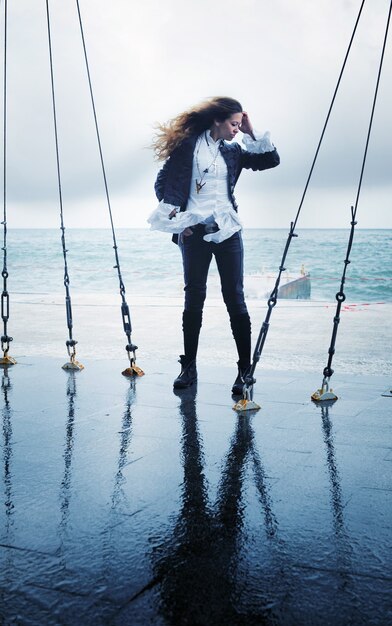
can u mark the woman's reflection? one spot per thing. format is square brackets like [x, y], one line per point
[197, 565]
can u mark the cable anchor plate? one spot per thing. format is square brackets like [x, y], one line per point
[325, 393]
[72, 364]
[6, 359]
[133, 369]
[246, 403]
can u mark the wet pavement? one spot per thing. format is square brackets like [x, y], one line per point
[124, 503]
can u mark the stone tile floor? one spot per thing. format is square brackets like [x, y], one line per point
[125, 503]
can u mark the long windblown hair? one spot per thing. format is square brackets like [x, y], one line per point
[192, 122]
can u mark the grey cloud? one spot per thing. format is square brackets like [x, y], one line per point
[150, 61]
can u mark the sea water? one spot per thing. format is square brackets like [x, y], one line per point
[150, 263]
[151, 271]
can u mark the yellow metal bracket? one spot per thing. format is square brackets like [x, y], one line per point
[72, 364]
[6, 360]
[133, 369]
[325, 393]
[246, 403]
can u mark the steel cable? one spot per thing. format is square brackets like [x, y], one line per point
[5, 338]
[126, 318]
[71, 342]
[249, 380]
[340, 296]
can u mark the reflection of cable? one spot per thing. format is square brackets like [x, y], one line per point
[125, 440]
[271, 524]
[344, 548]
[336, 491]
[118, 497]
[8, 564]
[68, 450]
[7, 448]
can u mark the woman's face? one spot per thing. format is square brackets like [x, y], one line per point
[228, 128]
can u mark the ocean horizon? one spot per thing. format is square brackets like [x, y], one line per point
[151, 269]
[151, 264]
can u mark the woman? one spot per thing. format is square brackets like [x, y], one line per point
[196, 203]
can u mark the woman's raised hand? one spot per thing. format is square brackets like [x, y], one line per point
[246, 125]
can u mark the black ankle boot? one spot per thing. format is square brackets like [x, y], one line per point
[188, 374]
[238, 387]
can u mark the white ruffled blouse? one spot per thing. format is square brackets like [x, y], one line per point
[208, 200]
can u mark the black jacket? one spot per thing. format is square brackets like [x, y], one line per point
[174, 179]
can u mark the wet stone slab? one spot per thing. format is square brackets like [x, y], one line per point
[126, 503]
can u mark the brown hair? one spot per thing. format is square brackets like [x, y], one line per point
[192, 122]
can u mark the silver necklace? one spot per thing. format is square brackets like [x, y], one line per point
[199, 183]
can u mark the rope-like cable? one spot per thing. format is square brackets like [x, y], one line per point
[5, 339]
[5, 125]
[70, 343]
[373, 106]
[329, 113]
[249, 380]
[340, 296]
[127, 325]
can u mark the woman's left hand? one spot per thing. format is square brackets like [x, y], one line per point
[246, 125]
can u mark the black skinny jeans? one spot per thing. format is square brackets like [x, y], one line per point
[197, 255]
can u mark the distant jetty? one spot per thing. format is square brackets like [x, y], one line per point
[296, 287]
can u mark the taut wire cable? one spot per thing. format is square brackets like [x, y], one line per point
[325, 393]
[133, 369]
[6, 359]
[73, 364]
[246, 403]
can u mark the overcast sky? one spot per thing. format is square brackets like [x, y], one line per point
[151, 59]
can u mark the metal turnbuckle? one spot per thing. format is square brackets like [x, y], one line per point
[325, 394]
[246, 403]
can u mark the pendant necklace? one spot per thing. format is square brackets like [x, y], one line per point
[199, 183]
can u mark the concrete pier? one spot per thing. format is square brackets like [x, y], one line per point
[124, 503]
